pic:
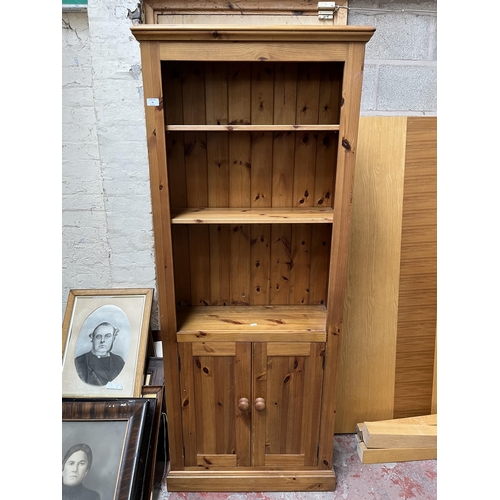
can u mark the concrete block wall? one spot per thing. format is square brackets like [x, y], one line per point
[400, 77]
[107, 233]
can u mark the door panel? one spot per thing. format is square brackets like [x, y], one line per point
[214, 376]
[288, 377]
[283, 385]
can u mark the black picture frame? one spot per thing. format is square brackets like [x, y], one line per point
[118, 432]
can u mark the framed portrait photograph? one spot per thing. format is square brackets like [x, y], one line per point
[105, 341]
[102, 446]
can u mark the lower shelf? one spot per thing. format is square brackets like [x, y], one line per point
[271, 480]
[252, 323]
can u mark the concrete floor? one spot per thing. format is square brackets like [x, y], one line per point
[355, 481]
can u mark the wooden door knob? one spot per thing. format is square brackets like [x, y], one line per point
[243, 404]
[260, 404]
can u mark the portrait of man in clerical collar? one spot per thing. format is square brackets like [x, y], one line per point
[100, 365]
[100, 354]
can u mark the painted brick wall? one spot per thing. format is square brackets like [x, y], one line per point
[107, 221]
[107, 230]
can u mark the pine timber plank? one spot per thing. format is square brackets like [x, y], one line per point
[195, 156]
[301, 264]
[199, 264]
[262, 105]
[281, 261]
[240, 266]
[387, 455]
[217, 144]
[220, 251]
[216, 96]
[260, 255]
[308, 85]
[389, 435]
[285, 96]
[368, 353]
[182, 266]
[239, 113]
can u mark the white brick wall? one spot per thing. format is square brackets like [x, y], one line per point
[107, 224]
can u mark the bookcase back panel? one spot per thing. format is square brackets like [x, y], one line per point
[252, 169]
[257, 264]
[280, 168]
[221, 93]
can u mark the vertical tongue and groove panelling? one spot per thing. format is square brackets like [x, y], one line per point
[251, 264]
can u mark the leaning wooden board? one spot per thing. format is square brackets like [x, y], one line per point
[387, 363]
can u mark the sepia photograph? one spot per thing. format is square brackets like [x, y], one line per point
[105, 340]
[92, 453]
[101, 443]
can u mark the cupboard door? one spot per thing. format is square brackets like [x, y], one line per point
[215, 380]
[287, 391]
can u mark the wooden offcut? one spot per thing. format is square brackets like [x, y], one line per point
[384, 455]
[390, 435]
[410, 432]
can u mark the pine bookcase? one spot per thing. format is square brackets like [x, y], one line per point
[252, 138]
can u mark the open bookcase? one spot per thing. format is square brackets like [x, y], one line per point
[252, 139]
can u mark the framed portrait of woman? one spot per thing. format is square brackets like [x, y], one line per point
[101, 448]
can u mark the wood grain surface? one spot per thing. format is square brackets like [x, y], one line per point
[387, 363]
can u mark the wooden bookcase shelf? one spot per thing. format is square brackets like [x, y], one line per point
[249, 128]
[252, 151]
[314, 215]
[253, 323]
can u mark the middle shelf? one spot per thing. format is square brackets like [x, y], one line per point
[314, 215]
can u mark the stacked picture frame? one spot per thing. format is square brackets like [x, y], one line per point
[112, 415]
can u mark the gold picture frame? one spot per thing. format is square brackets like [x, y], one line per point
[105, 336]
